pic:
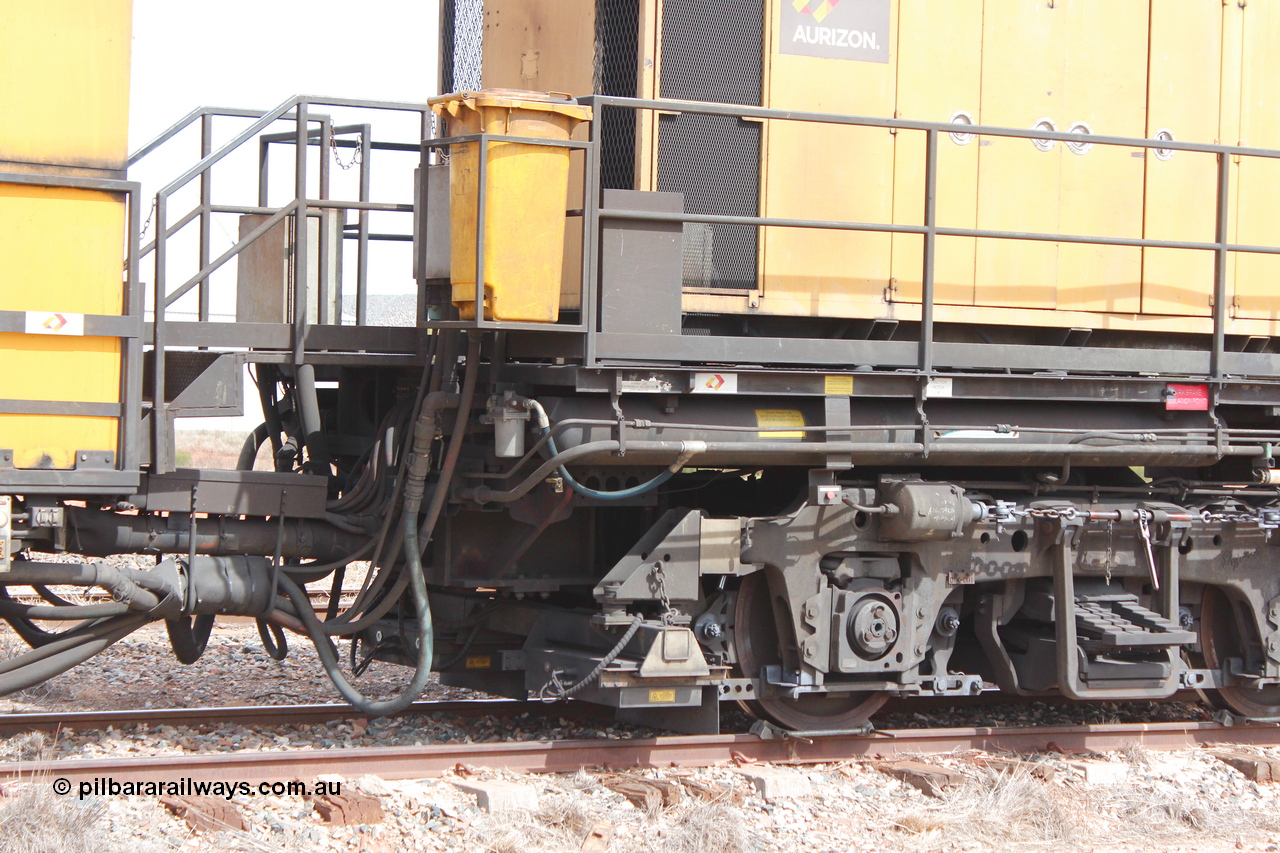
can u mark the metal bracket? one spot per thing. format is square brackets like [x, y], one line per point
[768, 731]
[6, 533]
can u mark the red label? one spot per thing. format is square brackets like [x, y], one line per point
[1187, 398]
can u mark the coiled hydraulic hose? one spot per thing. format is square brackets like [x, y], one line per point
[417, 466]
[544, 428]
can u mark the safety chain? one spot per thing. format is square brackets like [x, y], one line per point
[660, 579]
[146, 226]
[355, 155]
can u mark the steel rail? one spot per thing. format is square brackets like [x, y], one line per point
[275, 715]
[417, 762]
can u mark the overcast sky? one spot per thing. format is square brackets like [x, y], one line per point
[255, 54]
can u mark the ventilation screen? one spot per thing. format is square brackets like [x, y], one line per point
[617, 61]
[461, 48]
[446, 46]
[712, 50]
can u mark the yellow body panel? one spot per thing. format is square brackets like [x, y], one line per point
[939, 76]
[62, 251]
[1206, 71]
[1102, 188]
[826, 172]
[64, 100]
[1183, 98]
[1257, 293]
[1023, 65]
[1229, 117]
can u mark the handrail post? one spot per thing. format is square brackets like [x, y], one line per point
[300, 236]
[323, 259]
[206, 200]
[482, 178]
[362, 235]
[1220, 263]
[135, 307]
[159, 413]
[591, 236]
[930, 251]
[264, 158]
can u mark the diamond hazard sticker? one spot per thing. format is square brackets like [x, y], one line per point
[715, 383]
[54, 323]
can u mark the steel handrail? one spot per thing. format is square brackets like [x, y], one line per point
[185, 122]
[930, 229]
[294, 108]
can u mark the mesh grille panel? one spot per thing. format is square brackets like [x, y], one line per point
[715, 162]
[464, 46]
[617, 59]
[446, 46]
[712, 50]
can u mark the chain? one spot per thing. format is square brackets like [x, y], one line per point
[1047, 512]
[660, 580]
[146, 226]
[355, 155]
[1111, 549]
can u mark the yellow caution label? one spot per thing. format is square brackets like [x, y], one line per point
[480, 662]
[662, 696]
[838, 386]
[780, 418]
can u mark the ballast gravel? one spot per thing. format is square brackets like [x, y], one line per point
[1177, 801]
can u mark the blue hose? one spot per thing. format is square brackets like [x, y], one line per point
[623, 494]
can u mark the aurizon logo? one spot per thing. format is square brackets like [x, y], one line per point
[818, 8]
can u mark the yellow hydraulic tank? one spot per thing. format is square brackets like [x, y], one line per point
[64, 103]
[525, 189]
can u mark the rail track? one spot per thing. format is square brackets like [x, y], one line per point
[412, 762]
[269, 715]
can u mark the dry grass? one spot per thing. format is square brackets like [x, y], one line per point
[560, 824]
[1011, 810]
[1142, 813]
[207, 448]
[1011, 807]
[35, 820]
[700, 828]
[564, 821]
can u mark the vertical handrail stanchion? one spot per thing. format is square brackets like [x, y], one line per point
[323, 260]
[482, 173]
[591, 235]
[1220, 263]
[930, 251]
[206, 201]
[159, 410]
[300, 235]
[362, 236]
[131, 367]
[264, 156]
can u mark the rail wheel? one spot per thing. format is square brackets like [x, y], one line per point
[1224, 634]
[756, 643]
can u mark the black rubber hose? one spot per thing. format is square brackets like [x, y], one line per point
[71, 640]
[252, 444]
[413, 567]
[58, 612]
[273, 640]
[188, 640]
[126, 585]
[304, 388]
[50, 596]
[34, 670]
